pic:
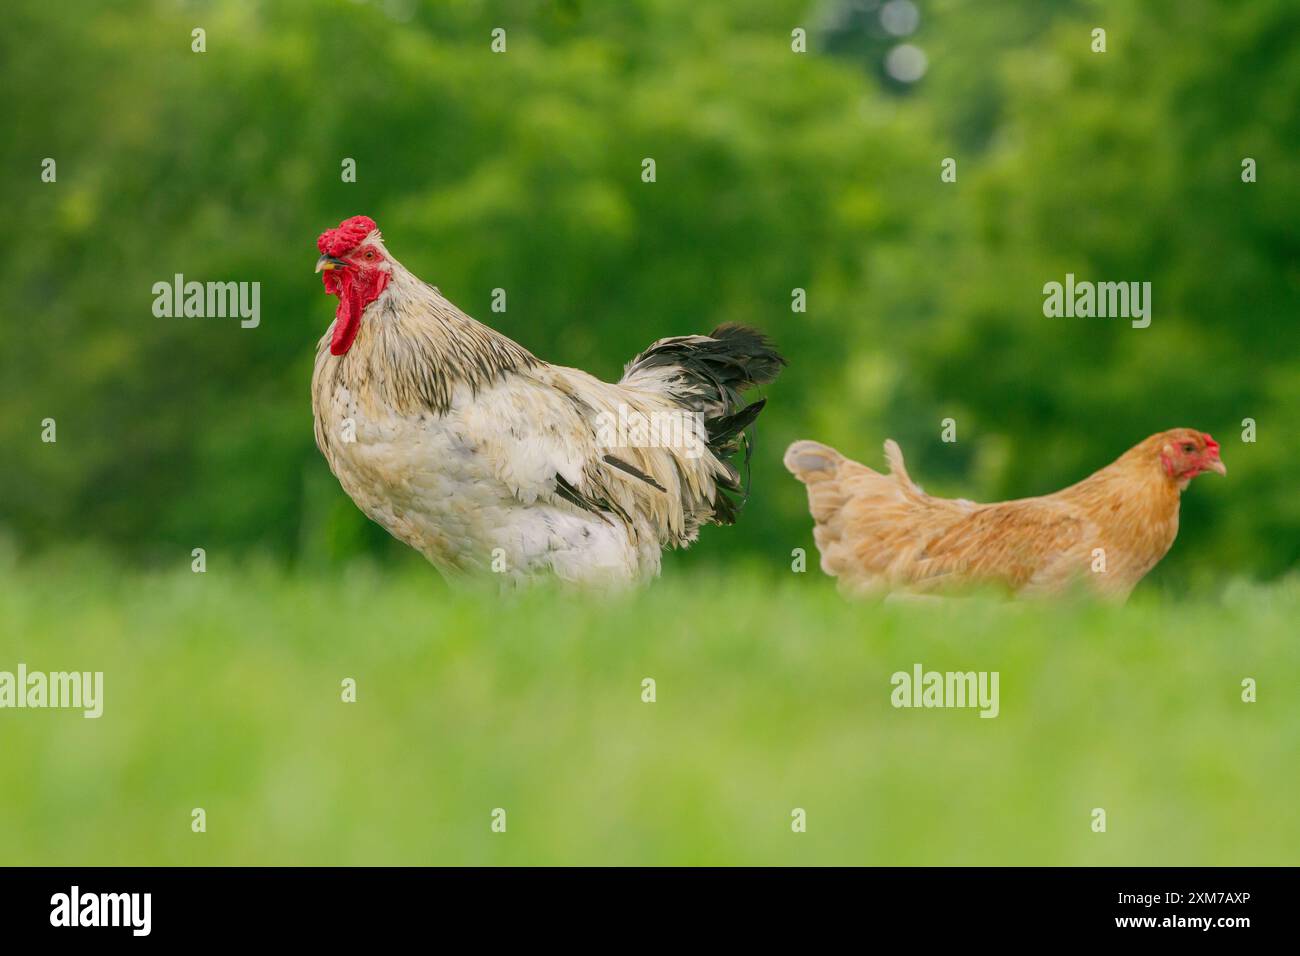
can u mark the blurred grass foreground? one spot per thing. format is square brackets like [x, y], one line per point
[223, 691]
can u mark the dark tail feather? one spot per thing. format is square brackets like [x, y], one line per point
[749, 354]
[725, 429]
[708, 374]
[712, 371]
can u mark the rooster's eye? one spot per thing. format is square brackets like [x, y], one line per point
[370, 255]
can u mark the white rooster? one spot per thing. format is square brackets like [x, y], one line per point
[481, 456]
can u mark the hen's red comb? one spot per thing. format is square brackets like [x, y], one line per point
[1210, 444]
[335, 242]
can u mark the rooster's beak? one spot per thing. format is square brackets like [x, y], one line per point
[1216, 466]
[325, 263]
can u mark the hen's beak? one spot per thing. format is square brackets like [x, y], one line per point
[325, 263]
[1216, 466]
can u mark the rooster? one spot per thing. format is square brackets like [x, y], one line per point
[467, 447]
[879, 533]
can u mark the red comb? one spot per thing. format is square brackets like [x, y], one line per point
[1210, 443]
[335, 242]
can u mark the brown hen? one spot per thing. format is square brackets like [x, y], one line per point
[879, 533]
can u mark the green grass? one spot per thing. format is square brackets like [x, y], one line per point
[222, 691]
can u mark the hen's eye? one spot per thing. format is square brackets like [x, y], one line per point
[370, 255]
[1188, 448]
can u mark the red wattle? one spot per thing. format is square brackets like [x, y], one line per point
[355, 293]
[347, 322]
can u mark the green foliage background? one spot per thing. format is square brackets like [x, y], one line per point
[775, 171]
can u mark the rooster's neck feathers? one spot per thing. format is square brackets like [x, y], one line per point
[415, 348]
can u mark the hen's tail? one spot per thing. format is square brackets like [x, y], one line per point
[706, 374]
[858, 513]
[818, 467]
